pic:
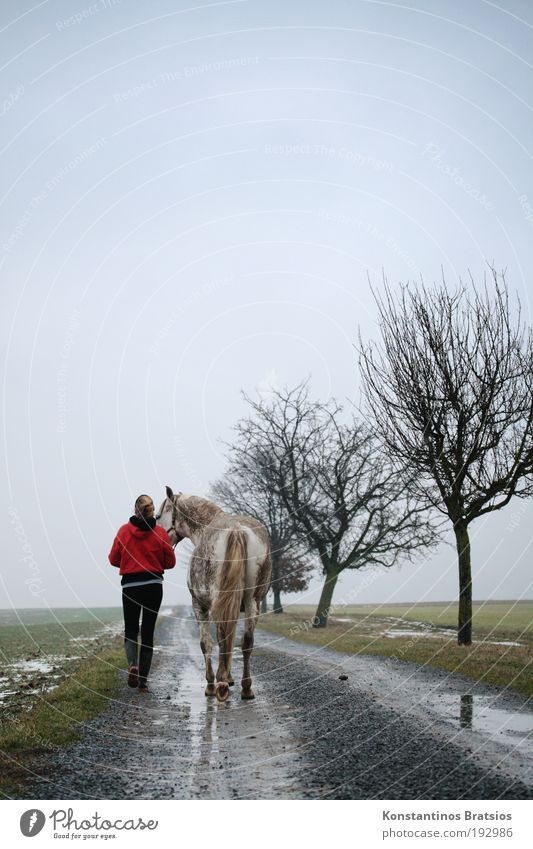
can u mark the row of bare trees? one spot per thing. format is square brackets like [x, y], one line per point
[444, 432]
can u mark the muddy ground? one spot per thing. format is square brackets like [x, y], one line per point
[390, 730]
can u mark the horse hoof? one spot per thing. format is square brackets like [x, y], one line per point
[222, 691]
[210, 690]
[247, 694]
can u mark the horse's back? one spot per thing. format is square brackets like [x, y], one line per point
[223, 523]
[258, 567]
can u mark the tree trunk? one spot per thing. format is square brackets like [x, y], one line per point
[275, 584]
[324, 605]
[464, 628]
[264, 605]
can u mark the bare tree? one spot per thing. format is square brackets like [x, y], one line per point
[346, 498]
[450, 391]
[248, 489]
[293, 576]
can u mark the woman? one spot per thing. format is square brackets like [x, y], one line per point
[143, 551]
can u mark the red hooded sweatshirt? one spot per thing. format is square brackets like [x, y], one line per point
[142, 552]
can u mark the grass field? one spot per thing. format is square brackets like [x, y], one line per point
[501, 654]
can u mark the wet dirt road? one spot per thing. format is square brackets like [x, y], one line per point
[389, 731]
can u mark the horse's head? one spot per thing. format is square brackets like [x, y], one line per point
[170, 517]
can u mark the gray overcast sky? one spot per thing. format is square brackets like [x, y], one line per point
[191, 202]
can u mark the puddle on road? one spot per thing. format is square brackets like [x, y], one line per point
[204, 741]
[477, 713]
[236, 749]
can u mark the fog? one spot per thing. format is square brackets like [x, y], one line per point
[194, 202]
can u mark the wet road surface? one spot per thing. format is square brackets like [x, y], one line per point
[389, 731]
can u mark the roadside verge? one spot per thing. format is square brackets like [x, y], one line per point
[502, 665]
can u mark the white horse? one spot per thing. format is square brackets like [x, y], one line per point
[230, 571]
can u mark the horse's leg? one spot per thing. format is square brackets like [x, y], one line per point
[206, 644]
[230, 640]
[251, 610]
[229, 657]
[222, 688]
[231, 680]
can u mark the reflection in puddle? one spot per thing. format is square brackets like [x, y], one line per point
[203, 739]
[478, 714]
[467, 710]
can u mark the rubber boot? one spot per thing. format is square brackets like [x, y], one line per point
[145, 662]
[131, 651]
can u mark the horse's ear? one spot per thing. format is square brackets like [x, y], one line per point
[170, 494]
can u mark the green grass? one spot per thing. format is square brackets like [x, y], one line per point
[56, 718]
[505, 666]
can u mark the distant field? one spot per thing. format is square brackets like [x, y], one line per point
[502, 651]
[505, 618]
[50, 631]
[62, 615]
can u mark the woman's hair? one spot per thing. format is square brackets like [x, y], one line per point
[141, 504]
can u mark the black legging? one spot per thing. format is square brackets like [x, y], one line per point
[148, 598]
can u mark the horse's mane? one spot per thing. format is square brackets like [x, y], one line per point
[197, 511]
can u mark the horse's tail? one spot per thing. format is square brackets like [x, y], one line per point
[227, 603]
